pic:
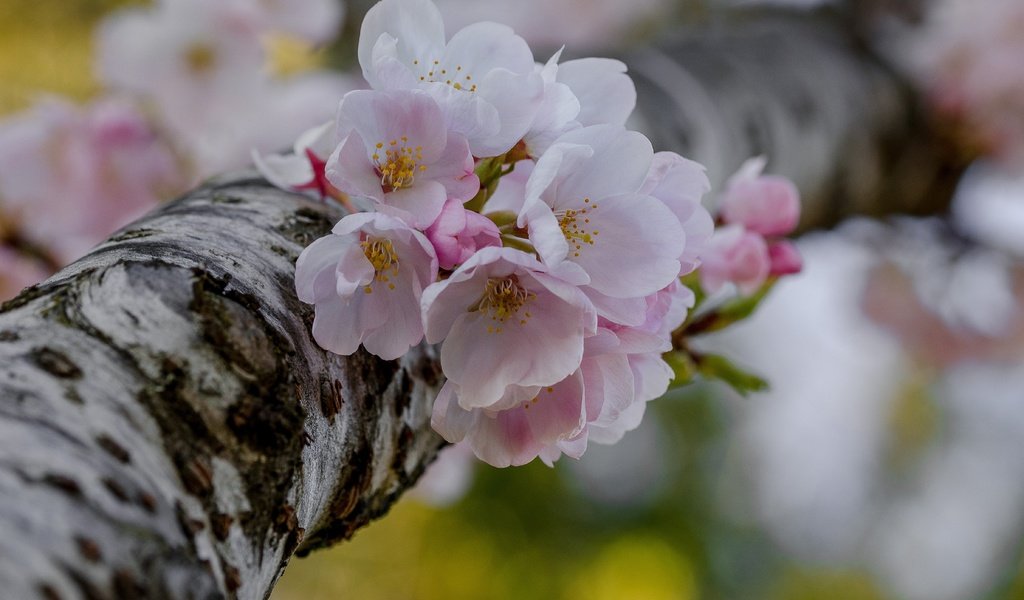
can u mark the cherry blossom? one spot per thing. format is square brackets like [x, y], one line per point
[589, 223]
[765, 204]
[313, 20]
[396, 151]
[305, 168]
[505, 322]
[680, 183]
[365, 280]
[69, 177]
[483, 77]
[735, 255]
[514, 436]
[458, 233]
[785, 258]
[578, 93]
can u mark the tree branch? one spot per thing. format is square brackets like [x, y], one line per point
[168, 426]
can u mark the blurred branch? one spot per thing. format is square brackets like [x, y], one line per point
[802, 90]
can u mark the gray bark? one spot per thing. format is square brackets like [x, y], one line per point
[807, 93]
[168, 426]
[169, 429]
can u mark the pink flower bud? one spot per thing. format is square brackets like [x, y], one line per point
[785, 258]
[765, 204]
[458, 233]
[735, 255]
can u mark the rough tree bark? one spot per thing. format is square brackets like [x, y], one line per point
[168, 426]
[169, 429]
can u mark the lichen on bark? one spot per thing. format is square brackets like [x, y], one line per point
[170, 428]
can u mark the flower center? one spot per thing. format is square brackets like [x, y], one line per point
[399, 164]
[438, 73]
[200, 58]
[502, 300]
[575, 226]
[381, 254]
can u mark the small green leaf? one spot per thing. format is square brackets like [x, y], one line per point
[714, 366]
[683, 367]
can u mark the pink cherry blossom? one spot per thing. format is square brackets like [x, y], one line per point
[579, 93]
[536, 419]
[506, 322]
[366, 280]
[735, 255]
[968, 58]
[313, 20]
[622, 370]
[182, 56]
[765, 204]
[69, 177]
[557, 114]
[305, 168]
[201, 67]
[590, 224]
[680, 183]
[605, 93]
[483, 77]
[396, 151]
[458, 233]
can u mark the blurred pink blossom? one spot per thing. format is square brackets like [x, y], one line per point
[785, 258]
[71, 176]
[969, 58]
[765, 204]
[735, 255]
[201, 66]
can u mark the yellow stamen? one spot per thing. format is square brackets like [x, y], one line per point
[382, 255]
[502, 300]
[400, 164]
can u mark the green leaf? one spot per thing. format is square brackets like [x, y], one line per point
[714, 366]
[683, 367]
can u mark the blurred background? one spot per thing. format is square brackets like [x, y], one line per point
[887, 458]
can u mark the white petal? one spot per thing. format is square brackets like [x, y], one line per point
[620, 163]
[319, 258]
[286, 171]
[418, 205]
[449, 419]
[349, 169]
[517, 98]
[336, 326]
[482, 47]
[416, 24]
[633, 248]
[606, 94]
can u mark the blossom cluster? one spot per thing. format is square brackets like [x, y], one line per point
[508, 215]
[755, 211]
